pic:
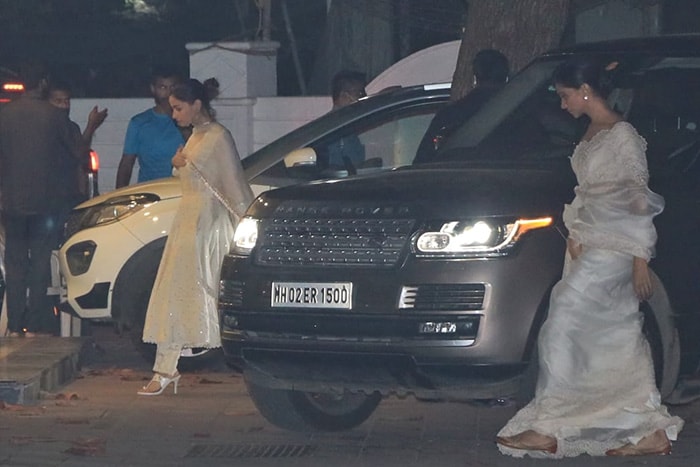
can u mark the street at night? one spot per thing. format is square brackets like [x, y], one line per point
[97, 419]
[403, 219]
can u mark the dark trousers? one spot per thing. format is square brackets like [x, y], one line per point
[29, 240]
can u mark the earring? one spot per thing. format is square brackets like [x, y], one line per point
[585, 97]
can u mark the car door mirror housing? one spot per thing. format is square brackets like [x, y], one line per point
[303, 157]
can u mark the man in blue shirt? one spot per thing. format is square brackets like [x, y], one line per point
[152, 137]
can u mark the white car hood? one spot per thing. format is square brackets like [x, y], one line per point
[164, 188]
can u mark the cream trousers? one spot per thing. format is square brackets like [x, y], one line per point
[167, 356]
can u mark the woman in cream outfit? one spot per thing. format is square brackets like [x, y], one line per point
[596, 392]
[182, 311]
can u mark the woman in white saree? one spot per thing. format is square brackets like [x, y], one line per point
[182, 311]
[596, 392]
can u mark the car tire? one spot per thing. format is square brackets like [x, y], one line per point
[132, 292]
[309, 412]
[528, 381]
[661, 333]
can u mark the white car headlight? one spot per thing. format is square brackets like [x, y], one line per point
[112, 210]
[246, 236]
[475, 237]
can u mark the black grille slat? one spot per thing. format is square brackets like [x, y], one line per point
[231, 292]
[338, 241]
[444, 297]
[365, 328]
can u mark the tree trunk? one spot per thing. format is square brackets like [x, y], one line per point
[521, 29]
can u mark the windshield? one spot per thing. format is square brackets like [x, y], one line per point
[525, 120]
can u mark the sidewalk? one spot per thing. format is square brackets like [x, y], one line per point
[29, 366]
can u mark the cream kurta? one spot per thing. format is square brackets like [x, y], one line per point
[182, 309]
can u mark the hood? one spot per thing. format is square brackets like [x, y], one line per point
[437, 191]
[164, 188]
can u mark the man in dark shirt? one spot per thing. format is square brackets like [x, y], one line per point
[490, 74]
[347, 152]
[37, 156]
[59, 95]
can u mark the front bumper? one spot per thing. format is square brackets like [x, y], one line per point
[382, 346]
[89, 293]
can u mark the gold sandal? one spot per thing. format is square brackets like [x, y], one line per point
[529, 440]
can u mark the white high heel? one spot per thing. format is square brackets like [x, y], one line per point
[163, 382]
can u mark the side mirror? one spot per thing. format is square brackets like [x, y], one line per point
[304, 157]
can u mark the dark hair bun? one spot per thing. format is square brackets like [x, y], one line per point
[212, 87]
[597, 73]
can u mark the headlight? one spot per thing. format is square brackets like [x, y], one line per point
[246, 236]
[475, 237]
[112, 210]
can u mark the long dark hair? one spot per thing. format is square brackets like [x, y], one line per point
[192, 90]
[578, 71]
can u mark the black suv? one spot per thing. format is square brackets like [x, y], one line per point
[434, 279]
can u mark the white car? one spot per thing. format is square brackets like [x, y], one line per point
[115, 241]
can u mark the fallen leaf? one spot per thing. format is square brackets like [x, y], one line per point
[22, 409]
[73, 421]
[22, 440]
[89, 447]
[241, 413]
[130, 375]
[66, 404]
[208, 381]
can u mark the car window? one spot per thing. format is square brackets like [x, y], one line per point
[665, 111]
[659, 97]
[388, 140]
[524, 121]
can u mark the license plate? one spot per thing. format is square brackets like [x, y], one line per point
[312, 295]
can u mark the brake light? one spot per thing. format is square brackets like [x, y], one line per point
[94, 161]
[13, 87]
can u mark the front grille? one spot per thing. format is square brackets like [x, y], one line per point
[333, 242]
[442, 297]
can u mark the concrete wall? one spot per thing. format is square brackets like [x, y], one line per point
[246, 105]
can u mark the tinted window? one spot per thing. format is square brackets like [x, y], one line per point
[666, 111]
[388, 140]
[658, 96]
[524, 121]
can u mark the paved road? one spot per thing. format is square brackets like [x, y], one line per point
[98, 420]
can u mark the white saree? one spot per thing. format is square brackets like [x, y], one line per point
[596, 388]
[182, 309]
